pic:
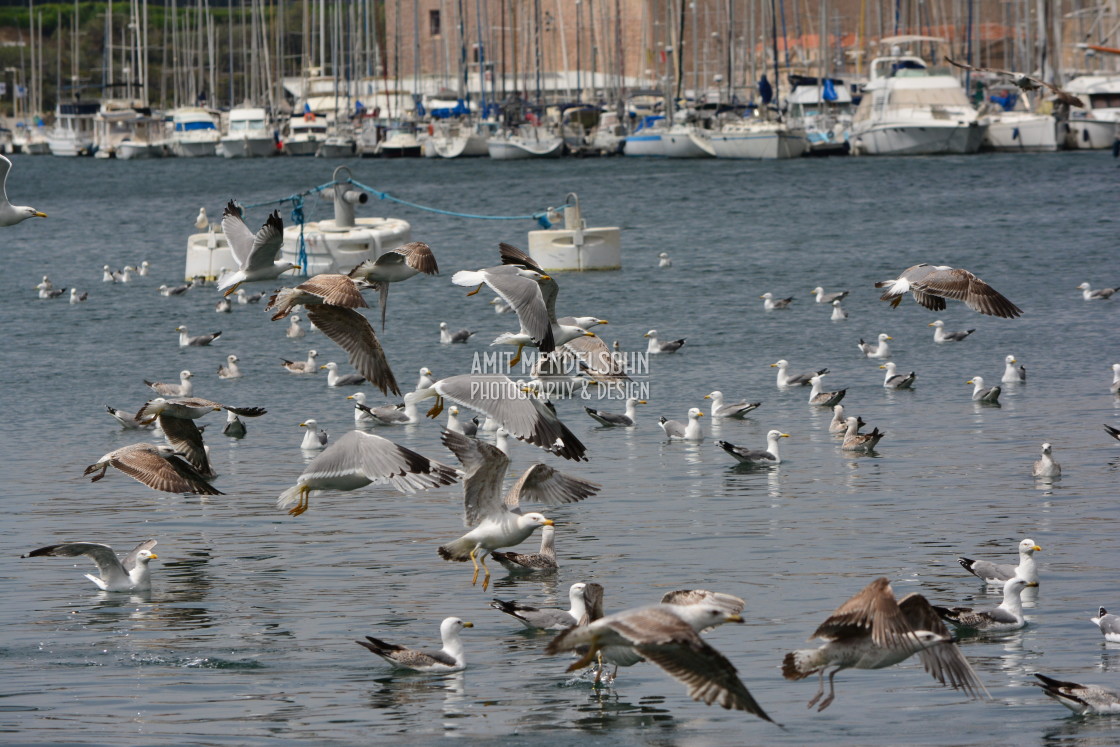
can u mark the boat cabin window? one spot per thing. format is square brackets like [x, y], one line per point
[1105, 100]
[241, 125]
[433, 22]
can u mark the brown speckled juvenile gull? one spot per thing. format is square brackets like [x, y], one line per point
[931, 285]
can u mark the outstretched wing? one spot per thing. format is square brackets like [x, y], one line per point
[351, 332]
[267, 243]
[238, 235]
[944, 660]
[486, 467]
[543, 484]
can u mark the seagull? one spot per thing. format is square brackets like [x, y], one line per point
[1007, 616]
[183, 389]
[1024, 82]
[201, 222]
[503, 400]
[755, 458]
[856, 441]
[178, 290]
[425, 379]
[234, 428]
[361, 414]
[548, 618]
[880, 350]
[931, 285]
[839, 423]
[940, 335]
[1081, 699]
[656, 347]
[1101, 294]
[358, 459]
[302, 367]
[500, 306]
[176, 416]
[674, 429]
[666, 635]
[127, 421]
[107, 277]
[143, 269]
[12, 214]
[996, 574]
[838, 313]
[980, 393]
[185, 340]
[1011, 374]
[224, 306]
[770, 303]
[872, 631]
[334, 378]
[75, 297]
[394, 266]
[447, 659]
[624, 420]
[255, 253]
[231, 369]
[126, 274]
[330, 300]
[735, 410]
[158, 467]
[821, 398]
[544, 560]
[499, 522]
[802, 379]
[895, 380]
[392, 414]
[1046, 466]
[830, 298]
[521, 288]
[127, 574]
[1109, 625]
[446, 336]
[294, 331]
[454, 424]
[315, 438]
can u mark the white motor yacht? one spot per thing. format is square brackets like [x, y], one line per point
[527, 141]
[909, 110]
[72, 134]
[764, 139]
[306, 132]
[248, 135]
[194, 132]
[1098, 125]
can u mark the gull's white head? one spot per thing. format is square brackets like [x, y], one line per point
[774, 435]
[938, 323]
[780, 364]
[332, 366]
[701, 616]
[663, 255]
[883, 337]
[818, 289]
[145, 556]
[425, 371]
[1028, 547]
[452, 625]
[1084, 287]
[308, 424]
[1046, 448]
[359, 397]
[890, 366]
[1009, 359]
[443, 325]
[695, 412]
[768, 295]
[312, 353]
[977, 381]
[185, 374]
[535, 520]
[652, 333]
[295, 317]
[717, 395]
[232, 359]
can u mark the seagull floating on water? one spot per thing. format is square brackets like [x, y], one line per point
[315, 438]
[656, 347]
[334, 378]
[755, 457]
[1046, 466]
[1011, 374]
[309, 366]
[895, 380]
[997, 573]
[1108, 623]
[822, 398]
[447, 337]
[734, 410]
[1007, 616]
[770, 303]
[872, 350]
[838, 313]
[542, 560]
[183, 389]
[802, 379]
[186, 340]
[829, 298]
[981, 393]
[677, 430]
[624, 420]
[448, 659]
[1081, 699]
[548, 618]
[1100, 294]
[940, 335]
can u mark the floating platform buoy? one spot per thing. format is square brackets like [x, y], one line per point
[575, 247]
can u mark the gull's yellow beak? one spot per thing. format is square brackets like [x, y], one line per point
[1032, 583]
[889, 337]
[773, 365]
[969, 381]
[1014, 361]
[154, 556]
[1036, 548]
[930, 324]
[707, 396]
[545, 277]
[734, 618]
[296, 267]
[468, 625]
[321, 367]
[699, 414]
[646, 334]
[589, 334]
[351, 396]
[762, 296]
[39, 214]
[784, 435]
[303, 425]
[549, 523]
[603, 321]
[642, 402]
[879, 367]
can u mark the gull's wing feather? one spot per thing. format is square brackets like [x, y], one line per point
[110, 568]
[185, 437]
[419, 257]
[379, 460]
[707, 674]
[266, 244]
[872, 611]
[486, 467]
[962, 285]
[238, 235]
[944, 661]
[336, 290]
[129, 561]
[543, 484]
[351, 332]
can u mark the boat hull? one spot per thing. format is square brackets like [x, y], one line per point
[248, 147]
[683, 145]
[643, 146]
[925, 139]
[512, 150]
[1024, 132]
[194, 148]
[765, 146]
[1093, 134]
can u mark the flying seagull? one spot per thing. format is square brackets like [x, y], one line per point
[12, 214]
[931, 285]
[393, 267]
[1024, 82]
[129, 574]
[255, 253]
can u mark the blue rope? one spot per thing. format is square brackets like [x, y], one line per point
[540, 217]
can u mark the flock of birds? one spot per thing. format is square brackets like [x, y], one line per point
[871, 630]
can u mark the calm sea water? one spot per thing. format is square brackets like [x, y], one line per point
[248, 632]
